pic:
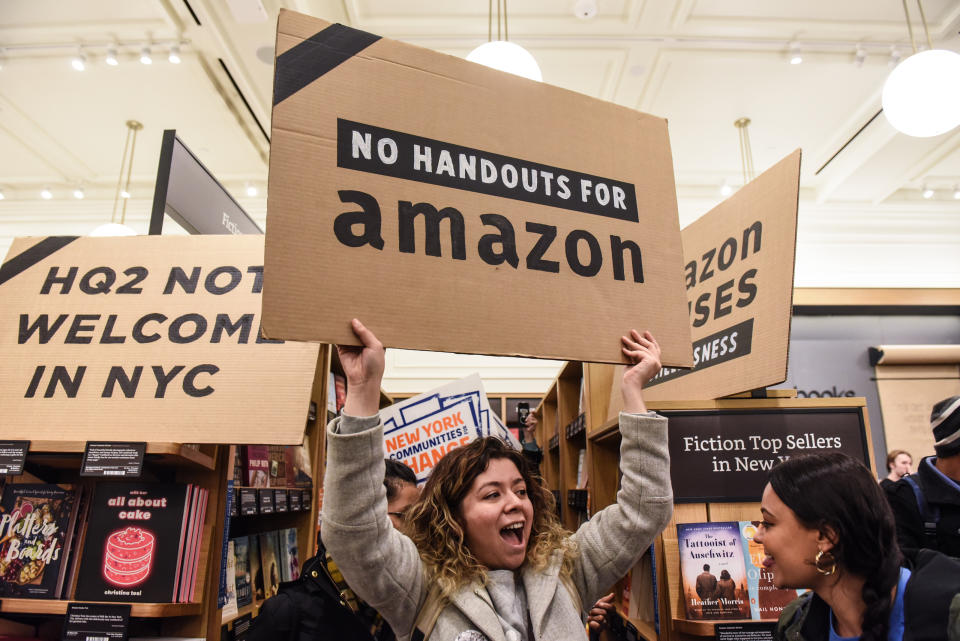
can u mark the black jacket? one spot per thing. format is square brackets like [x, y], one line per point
[938, 493]
[931, 605]
[310, 609]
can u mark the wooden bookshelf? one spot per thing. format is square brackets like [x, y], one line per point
[61, 454]
[58, 607]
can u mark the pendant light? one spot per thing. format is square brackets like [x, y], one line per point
[115, 228]
[502, 54]
[921, 96]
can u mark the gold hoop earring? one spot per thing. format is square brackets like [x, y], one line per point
[825, 563]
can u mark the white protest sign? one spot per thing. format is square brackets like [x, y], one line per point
[420, 430]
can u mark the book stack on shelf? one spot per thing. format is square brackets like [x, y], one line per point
[260, 563]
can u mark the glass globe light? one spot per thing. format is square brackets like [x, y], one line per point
[507, 56]
[921, 96]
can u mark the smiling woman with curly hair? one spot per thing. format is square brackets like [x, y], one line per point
[437, 528]
[482, 548]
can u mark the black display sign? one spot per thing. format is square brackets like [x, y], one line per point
[745, 631]
[113, 460]
[280, 500]
[96, 622]
[248, 501]
[721, 456]
[294, 498]
[12, 456]
[265, 500]
[305, 499]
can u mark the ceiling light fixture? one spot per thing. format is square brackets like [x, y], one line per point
[145, 56]
[859, 56]
[174, 56]
[2, 196]
[746, 153]
[114, 228]
[501, 54]
[795, 56]
[251, 190]
[79, 61]
[46, 194]
[921, 96]
[956, 192]
[585, 9]
[927, 192]
[78, 193]
[3, 58]
[895, 57]
[111, 58]
[725, 188]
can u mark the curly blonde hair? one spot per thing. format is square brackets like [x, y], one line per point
[435, 522]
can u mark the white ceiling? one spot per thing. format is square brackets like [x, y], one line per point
[700, 63]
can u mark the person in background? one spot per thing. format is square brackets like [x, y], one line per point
[899, 463]
[827, 528]
[926, 505]
[483, 545]
[320, 605]
[402, 492]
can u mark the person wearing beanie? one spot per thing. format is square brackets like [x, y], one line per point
[926, 505]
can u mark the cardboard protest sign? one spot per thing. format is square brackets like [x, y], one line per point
[416, 191]
[738, 270]
[420, 430]
[107, 338]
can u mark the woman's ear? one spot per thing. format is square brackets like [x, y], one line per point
[826, 538]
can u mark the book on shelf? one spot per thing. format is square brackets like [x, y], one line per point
[723, 575]
[256, 465]
[340, 384]
[37, 522]
[256, 570]
[331, 393]
[244, 586]
[270, 562]
[278, 472]
[767, 601]
[136, 544]
[299, 472]
[289, 556]
[230, 607]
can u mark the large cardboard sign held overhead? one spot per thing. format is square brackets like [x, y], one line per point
[452, 207]
[145, 338]
[738, 271]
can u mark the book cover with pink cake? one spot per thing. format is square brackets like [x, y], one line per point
[134, 542]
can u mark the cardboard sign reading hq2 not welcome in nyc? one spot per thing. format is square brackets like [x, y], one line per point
[118, 338]
[452, 207]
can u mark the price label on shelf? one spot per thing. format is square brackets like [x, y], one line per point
[113, 460]
[12, 456]
[96, 622]
[248, 501]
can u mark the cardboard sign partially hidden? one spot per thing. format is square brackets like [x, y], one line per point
[452, 207]
[738, 270]
[147, 338]
[418, 431]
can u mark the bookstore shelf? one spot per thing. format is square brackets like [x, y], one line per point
[56, 454]
[59, 607]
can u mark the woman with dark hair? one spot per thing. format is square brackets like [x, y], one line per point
[827, 527]
[483, 555]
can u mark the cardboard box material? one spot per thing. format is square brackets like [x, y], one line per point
[156, 336]
[738, 271]
[452, 207]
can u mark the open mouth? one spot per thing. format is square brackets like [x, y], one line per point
[513, 534]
